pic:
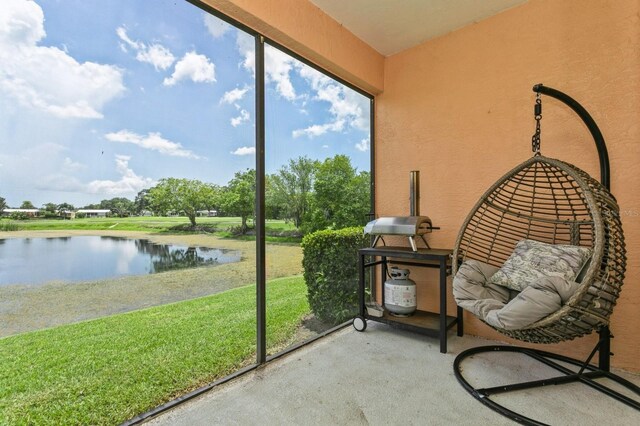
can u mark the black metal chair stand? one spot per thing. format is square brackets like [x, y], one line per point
[586, 374]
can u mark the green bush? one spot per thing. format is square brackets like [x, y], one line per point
[330, 262]
[19, 216]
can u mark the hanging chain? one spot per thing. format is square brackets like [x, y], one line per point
[537, 111]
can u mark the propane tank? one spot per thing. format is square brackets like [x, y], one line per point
[399, 292]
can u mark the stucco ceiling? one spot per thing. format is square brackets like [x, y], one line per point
[390, 26]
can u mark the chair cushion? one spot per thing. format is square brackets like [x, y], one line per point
[539, 300]
[503, 308]
[474, 292]
[532, 260]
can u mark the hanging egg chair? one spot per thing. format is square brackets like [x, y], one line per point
[551, 202]
[554, 202]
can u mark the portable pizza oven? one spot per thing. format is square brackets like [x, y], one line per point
[410, 226]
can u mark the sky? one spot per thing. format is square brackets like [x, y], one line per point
[101, 99]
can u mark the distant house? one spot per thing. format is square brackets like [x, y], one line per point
[68, 214]
[28, 212]
[92, 213]
[207, 213]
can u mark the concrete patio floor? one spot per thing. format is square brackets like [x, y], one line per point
[385, 376]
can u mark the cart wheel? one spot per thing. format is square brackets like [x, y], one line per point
[359, 323]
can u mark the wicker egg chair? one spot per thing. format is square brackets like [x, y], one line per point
[554, 202]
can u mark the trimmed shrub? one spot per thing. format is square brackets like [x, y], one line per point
[330, 261]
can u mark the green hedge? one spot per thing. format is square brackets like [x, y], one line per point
[330, 264]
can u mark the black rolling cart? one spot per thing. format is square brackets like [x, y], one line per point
[423, 322]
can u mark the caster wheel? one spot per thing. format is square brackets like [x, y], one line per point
[359, 323]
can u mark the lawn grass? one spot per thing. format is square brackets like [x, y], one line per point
[276, 230]
[139, 223]
[108, 370]
[8, 226]
[134, 223]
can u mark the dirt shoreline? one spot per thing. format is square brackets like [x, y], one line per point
[27, 307]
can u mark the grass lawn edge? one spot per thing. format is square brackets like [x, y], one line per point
[107, 370]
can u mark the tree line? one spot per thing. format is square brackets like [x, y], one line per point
[308, 193]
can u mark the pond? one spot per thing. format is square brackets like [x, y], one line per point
[87, 258]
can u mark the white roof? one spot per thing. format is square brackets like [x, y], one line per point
[93, 211]
[21, 210]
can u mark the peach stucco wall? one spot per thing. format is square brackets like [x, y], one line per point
[300, 26]
[459, 109]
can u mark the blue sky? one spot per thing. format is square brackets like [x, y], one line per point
[102, 99]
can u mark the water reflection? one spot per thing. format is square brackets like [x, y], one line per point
[166, 257]
[83, 258]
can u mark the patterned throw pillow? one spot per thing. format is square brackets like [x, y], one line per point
[532, 260]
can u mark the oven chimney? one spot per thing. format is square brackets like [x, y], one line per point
[414, 193]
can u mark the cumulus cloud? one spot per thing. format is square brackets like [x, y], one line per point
[234, 95]
[128, 184]
[122, 34]
[348, 108]
[319, 129]
[48, 78]
[194, 67]
[21, 22]
[156, 54]
[51, 177]
[71, 166]
[246, 47]
[242, 118]
[245, 150]
[153, 141]
[363, 145]
[215, 26]
[315, 78]
[277, 65]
